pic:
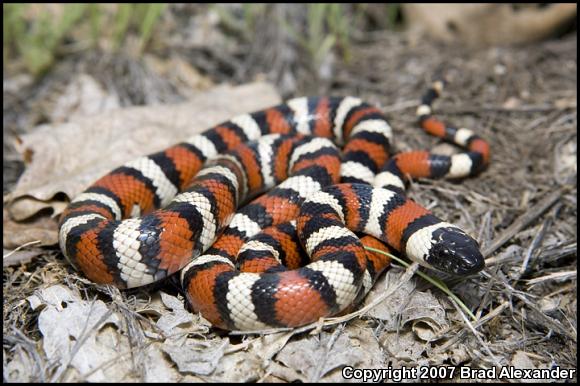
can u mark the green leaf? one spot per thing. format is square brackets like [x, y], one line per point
[152, 14]
[123, 18]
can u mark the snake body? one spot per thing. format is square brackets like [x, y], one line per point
[230, 207]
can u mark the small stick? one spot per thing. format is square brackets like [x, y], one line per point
[499, 109]
[536, 243]
[20, 247]
[558, 276]
[475, 333]
[554, 324]
[502, 257]
[461, 333]
[554, 254]
[523, 221]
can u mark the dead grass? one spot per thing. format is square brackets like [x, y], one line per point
[522, 209]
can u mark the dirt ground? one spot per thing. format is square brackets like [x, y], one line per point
[522, 210]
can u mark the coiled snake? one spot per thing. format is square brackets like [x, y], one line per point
[241, 261]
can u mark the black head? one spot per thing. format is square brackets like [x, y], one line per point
[455, 252]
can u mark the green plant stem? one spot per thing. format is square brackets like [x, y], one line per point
[436, 282]
[152, 13]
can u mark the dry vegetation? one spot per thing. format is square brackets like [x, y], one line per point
[523, 209]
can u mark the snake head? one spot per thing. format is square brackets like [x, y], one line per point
[455, 252]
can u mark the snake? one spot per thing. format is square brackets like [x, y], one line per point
[267, 217]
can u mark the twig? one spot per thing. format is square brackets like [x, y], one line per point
[20, 247]
[17, 337]
[83, 336]
[485, 297]
[509, 254]
[559, 276]
[536, 242]
[521, 109]
[490, 315]
[523, 221]
[554, 324]
[400, 106]
[324, 357]
[472, 329]
[553, 254]
[566, 288]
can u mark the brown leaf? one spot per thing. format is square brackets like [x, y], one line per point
[17, 257]
[482, 25]
[197, 356]
[15, 234]
[68, 157]
[318, 357]
[26, 207]
[81, 337]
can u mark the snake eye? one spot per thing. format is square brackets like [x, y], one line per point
[455, 252]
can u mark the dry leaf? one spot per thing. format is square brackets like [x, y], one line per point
[521, 360]
[24, 209]
[43, 229]
[512, 103]
[20, 368]
[157, 368]
[487, 24]
[17, 257]
[550, 305]
[170, 321]
[197, 356]
[80, 336]
[402, 345]
[363, 337]
[389, 310]
[239, 366]
[68, 157]
[421, 309]
[269, 345]
[459, 354]
[315, 357]
[426, 314]
[565, 162]
[172, 313]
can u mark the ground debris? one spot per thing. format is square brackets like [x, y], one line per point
[80, 337]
